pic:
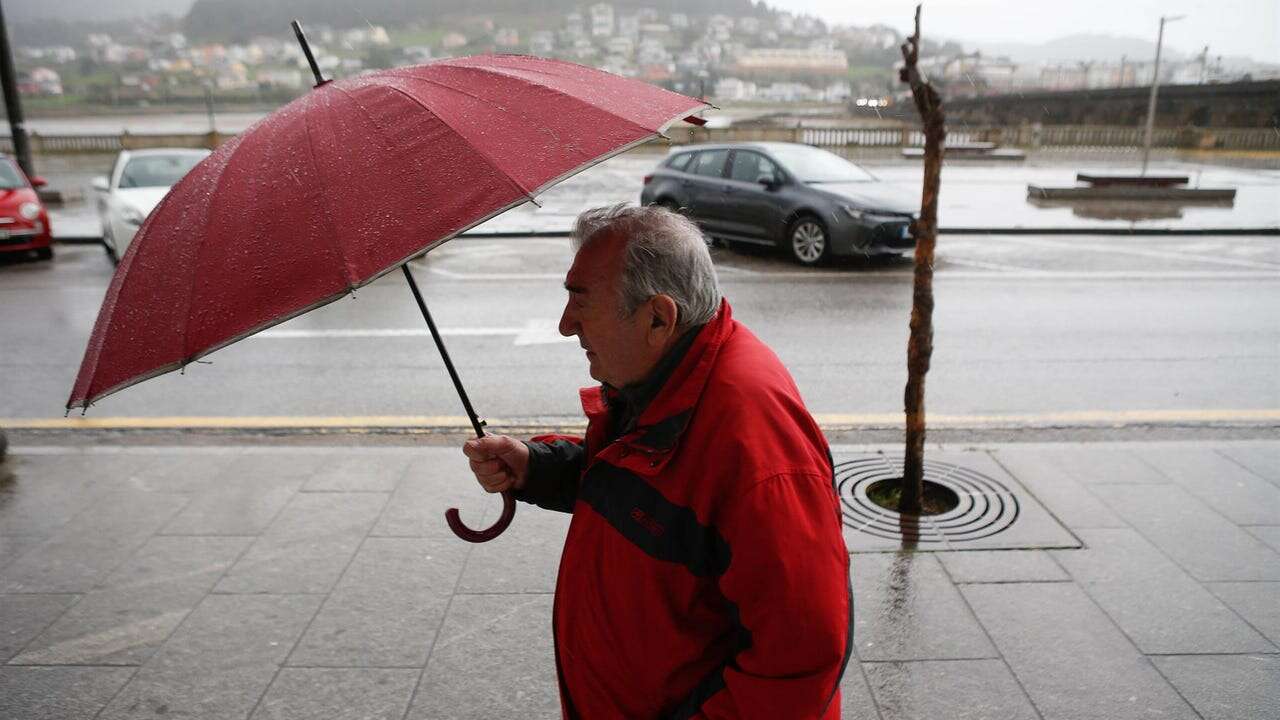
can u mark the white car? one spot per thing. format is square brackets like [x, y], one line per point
[138, 181]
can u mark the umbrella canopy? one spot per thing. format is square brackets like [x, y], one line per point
[342, 186]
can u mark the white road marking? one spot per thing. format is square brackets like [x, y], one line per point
[534, 332]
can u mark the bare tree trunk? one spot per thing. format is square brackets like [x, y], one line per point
[920, 346]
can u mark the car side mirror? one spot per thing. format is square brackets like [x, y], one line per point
[100, 183]
[768, 180]
[37, 181]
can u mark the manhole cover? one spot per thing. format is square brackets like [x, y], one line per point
[986, 507]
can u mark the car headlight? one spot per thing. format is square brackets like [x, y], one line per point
[29, 210]
[132, 215]
[854, 212]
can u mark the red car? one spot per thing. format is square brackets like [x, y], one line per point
[24, 223]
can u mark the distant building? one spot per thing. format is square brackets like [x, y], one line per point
[629, 26]
[542, 43]
[679, 21]
[734, 89]
[453, 40]
[506, 37]
[621, 46]
[279, 78]
[601, 20]
[41, 81]
[765, 61]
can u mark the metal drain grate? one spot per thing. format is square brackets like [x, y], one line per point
[986, 507]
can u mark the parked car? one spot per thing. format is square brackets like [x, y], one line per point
[139, 179]
[812, 203]
[24, 222]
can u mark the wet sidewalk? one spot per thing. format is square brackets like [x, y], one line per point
[1136, 580]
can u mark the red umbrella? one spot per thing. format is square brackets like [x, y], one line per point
[344, 185]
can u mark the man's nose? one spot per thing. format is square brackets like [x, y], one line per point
[568, 326]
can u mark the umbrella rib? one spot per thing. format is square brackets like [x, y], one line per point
[490, 161]
[513, 76]
[510, 76]
[324, 204]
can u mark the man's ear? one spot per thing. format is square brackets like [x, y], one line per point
[662, 318]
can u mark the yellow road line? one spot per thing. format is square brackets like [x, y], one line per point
[448, 422]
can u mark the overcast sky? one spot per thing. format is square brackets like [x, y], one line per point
[1228, 27]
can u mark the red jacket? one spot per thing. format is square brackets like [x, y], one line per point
[704, 574]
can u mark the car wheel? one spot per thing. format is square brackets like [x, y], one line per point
[109, 243]
[808, 241]
[44, 253]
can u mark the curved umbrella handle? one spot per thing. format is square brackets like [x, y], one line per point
[478, 536]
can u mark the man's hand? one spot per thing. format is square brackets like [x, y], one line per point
[499, 462]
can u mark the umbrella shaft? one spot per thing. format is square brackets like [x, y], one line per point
[444, 354]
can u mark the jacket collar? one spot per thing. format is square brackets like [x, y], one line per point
[663, 421]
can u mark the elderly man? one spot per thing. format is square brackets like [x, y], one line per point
[704, 573]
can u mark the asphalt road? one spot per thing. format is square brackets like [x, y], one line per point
[1049, 330]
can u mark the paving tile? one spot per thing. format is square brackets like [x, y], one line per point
[856, 702]
[23, 617]
[1240, 495]
[1226, 687]
[1263, 460]
[243, 505]
[388, 606]
[1089, 464]
[307, 547]
[219, 662]
[1257, 602]
[488, 637]
[13, 546]
[995, 566]
[431, 485]
[1269, 534]
[953, 689]
[58, 693]
[1154, 602]
[41, 493]
[1113, 555]
[905, 608]
[1072, 662]
[524, 559]
[1068, 499]
[1205, 544]
[83, 551]
[138, 606]
[183, 473]
[323, 693]
[359, 473]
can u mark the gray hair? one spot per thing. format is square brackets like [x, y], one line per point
[665, 255]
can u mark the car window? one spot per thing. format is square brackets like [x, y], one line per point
[749, 166]
[710, 162]
[678, 162]
[814, 165]
[10, 178]
[157, 170]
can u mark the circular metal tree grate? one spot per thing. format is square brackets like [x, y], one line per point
[986, 507]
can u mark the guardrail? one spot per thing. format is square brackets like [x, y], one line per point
[888, 136]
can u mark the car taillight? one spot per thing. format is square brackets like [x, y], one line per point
[647, 178]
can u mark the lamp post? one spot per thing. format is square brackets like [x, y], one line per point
[1155, 86]
[12, 103]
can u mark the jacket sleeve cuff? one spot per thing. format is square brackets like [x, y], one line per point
[552, 477]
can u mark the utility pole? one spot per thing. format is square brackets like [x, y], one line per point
[12, 103]
[1155, 86]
